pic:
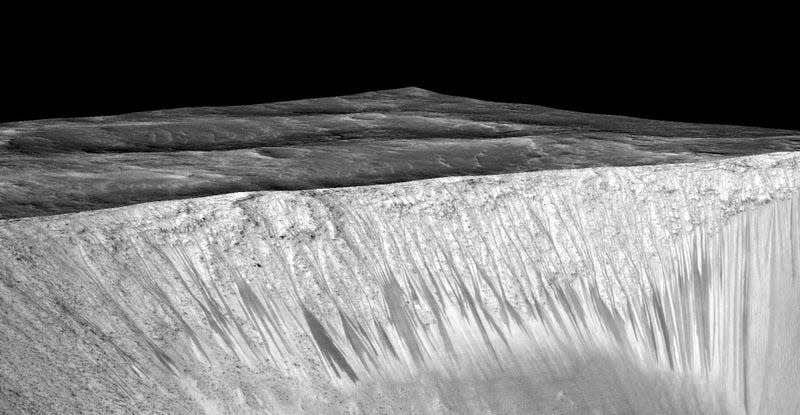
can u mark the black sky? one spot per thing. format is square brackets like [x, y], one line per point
[726, 80]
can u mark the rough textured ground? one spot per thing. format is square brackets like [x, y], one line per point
[624, 266]
[572, 290]
[68, 165]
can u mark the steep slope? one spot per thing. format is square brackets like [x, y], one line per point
[70, 165]
[651, 289]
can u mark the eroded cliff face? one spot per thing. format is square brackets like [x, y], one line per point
[655, 289]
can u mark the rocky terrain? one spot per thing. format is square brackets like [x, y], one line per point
[70, 165]
[660, 277]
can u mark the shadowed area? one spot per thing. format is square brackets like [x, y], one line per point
[69, 165]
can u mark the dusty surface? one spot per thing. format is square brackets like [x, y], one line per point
[344, 300]
[623, 266]
[68, 165]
